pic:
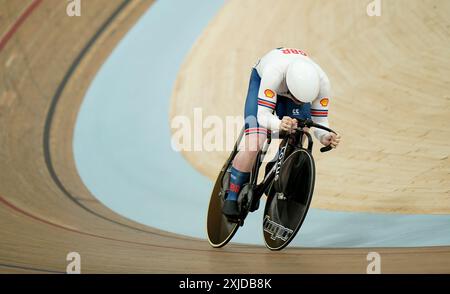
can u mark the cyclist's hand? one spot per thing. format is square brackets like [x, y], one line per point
[288, 124]
[331, 139]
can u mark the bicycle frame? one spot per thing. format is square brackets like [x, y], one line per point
[289, 143]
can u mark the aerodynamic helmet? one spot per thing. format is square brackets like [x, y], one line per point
[302, 79]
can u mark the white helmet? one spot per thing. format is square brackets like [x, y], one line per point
[302, 80]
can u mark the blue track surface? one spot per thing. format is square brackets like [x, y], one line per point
[123, 153]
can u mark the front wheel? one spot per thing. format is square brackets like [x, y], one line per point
[287, 206]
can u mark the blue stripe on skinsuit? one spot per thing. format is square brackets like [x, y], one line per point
[251, 102]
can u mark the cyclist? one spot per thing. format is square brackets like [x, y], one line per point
[284, 85]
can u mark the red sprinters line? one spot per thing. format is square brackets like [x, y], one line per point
[13, 29]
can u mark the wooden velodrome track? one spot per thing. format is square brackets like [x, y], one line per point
[390, 77]
[47, 61]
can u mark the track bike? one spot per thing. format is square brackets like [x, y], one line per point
[288, 184]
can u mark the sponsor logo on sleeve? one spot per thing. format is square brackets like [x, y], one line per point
[324, 102]
[269, 93]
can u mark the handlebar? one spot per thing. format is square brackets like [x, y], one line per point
[310, 124]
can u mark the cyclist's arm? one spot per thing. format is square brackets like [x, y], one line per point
[267, 100]
[319, 107]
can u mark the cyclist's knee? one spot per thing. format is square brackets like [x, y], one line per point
[254, 142]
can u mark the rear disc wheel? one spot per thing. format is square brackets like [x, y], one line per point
[219, 229]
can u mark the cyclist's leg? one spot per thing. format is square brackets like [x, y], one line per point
[243, 163]
[253, 141]
[245, 159]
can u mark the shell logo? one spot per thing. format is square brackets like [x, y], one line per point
[324, 102]
[269, 93]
